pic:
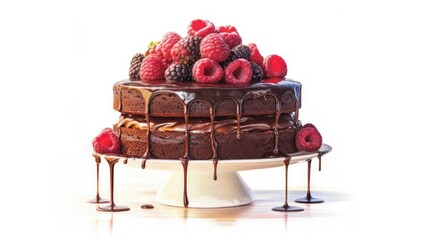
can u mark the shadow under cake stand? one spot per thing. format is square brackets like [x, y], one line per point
[203, 191]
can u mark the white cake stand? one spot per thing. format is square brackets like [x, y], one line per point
[229, 190]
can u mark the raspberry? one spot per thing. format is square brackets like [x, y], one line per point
[308, 139]
[238, 71]
[106, 142]
[151, 48]
[200, 28]
[136, 61]
[158, 52]
[274, 67]
[214, 47]
[186, 50]
[255, 56]
[152, 68]
[257, 73]
[226, 29]
[167, 43]
[207, 71]
[179, 72]
[309, 125]
[233, 39]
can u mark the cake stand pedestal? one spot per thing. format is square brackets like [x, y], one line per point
[229, 190]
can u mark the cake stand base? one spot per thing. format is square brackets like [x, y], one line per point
[229, 190]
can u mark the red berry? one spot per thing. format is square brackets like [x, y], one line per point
[207, 71]
[167, 43]
[200, 28]
[152, 68]
[214, 47]
[106, 142]
[238, 71]
[274, 67]
[233, 39]
[226, 29]
[309, 125]
[308, 139]
[151, 48]
[255, 56]
[158, 51]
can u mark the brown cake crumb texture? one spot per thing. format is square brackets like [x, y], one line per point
[223, 123]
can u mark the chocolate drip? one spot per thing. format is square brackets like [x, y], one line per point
[185, 182]
[309, 198]
[97, 199]
[239, 106]
[147, 97]
[147, 206]
[143, 165]
[286, 207]
[276, 126]
[112, 207]
[319, 156]
[215, 162]
[186, 116]
[238, 111]
[213, 143]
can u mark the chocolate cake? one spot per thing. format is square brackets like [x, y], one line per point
[207, 121]
[205, 96]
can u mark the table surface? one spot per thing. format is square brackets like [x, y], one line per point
[336, 214]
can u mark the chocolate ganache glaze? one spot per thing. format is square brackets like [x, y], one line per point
[214, 122]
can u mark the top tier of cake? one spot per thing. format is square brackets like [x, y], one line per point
[205, 100]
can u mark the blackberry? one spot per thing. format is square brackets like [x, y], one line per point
[179, 72]
[136, 61]
[258, 73]
[240, 51]
[186, 50]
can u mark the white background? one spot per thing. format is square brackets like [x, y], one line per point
[363, 66]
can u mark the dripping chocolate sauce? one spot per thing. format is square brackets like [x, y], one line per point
[147, 206]
[148, 94]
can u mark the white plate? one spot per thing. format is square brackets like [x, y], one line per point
[227, 165]
[229, 190]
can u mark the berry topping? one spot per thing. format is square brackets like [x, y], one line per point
[240, 51]
[136, 61]
[309, 125]
[207, 71]
[238, 71]
[179, 72]
[151, 48]
[186, 50]
[152, 68]
[255, 56]
[222, 44]
[200, 28]
[258, 74]
[274, 67]
[226, 29]
[232, 39]
[214, 47]
[167, 43]
[106, 142]
[308, 139]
